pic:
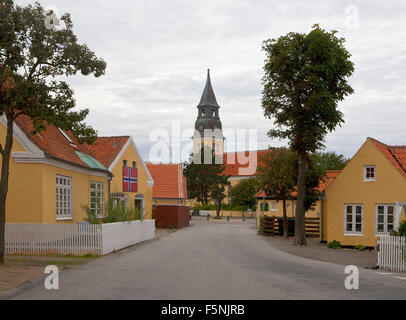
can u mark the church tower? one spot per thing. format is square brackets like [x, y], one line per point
[208, 127]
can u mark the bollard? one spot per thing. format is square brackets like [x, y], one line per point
[228, 218]
[208, 217]
[243, 218]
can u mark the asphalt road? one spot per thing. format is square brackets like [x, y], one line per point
[210, 261]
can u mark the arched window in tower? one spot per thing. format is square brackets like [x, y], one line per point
[213, 113]
[203, 112]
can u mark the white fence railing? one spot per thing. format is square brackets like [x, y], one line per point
[75, 239]
[392, 253]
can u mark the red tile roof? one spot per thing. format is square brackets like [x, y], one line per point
[324, 184]
[54, 143]
[106, 149]
[170, 182]
[238, 162]
[395, 154]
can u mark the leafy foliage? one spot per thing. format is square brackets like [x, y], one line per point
[402, 229]
[205, 181]
[33, 60]
[305, 79]
[114, 212]
[242, 194]
[330, 160]
[360, 248]
[334, 244]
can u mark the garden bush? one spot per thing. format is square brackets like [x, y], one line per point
[334, 244]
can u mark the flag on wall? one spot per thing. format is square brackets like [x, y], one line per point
[130, 179]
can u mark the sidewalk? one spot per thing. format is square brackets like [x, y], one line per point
[319, 251]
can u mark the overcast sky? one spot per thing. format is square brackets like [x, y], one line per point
[158, 53]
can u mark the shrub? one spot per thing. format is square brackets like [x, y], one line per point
[113, 212]
[334, 244]
[360, 248]
[402, 229]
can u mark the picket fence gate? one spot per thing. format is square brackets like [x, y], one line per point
[41, 239]
[392, 253]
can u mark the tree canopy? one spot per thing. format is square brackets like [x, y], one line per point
[34, 59]
[305, 79]
[330, 160]
[242, 194]
[204, 179]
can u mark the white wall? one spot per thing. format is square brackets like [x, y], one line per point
[121, 235]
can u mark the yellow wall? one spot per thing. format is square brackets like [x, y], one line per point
[117, 183]
[32, 191]
[290, 209]
[350, 188]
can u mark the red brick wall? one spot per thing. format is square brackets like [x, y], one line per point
[176, 216]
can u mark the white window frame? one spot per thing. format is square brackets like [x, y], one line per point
[98, 210]
[64, 205]
[120, 197]
[274, 206]
[353, 232]
[366, 179]
[385, 214]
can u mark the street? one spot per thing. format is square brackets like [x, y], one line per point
[210, 260]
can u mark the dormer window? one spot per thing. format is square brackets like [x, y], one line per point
[369, 173]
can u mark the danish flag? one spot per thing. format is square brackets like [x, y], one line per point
[130, 179]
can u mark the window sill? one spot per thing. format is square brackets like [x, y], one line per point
[374, 180]
[353, 234]
[64, 219]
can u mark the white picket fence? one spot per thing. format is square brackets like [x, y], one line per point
[392, 253]
[75, 239]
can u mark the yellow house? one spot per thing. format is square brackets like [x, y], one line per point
[367, 197]
[131, 183]
[267, 206]
[51, 176]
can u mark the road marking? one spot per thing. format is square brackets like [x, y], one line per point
[401, 278]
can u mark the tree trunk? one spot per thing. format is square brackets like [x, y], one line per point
[4, 184]
[285, 221]
[300, 232]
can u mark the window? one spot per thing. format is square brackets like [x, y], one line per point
[353, 218]
[63, 198]
[120, 198]
[139, 204]
[125, 163]
[264, 206]
[385, 217]
[274, 206]
[369, 173]
[97, 198]
[134, 164]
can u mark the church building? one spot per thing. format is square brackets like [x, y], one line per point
[208, 126]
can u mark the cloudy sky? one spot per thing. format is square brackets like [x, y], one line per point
[158, 53]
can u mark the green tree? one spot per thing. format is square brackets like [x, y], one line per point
[218, 192]
[242, 194]
[305, 79]
[203, 176]
[32, 56]
[277, 175]
[330, 160]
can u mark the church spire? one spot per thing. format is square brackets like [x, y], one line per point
[208, 97]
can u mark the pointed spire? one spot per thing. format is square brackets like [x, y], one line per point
[208, 97]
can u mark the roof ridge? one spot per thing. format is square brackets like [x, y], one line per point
[112, 137]
[388, 148]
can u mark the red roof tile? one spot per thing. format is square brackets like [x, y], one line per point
[53, 142]
[106, 149]
[395, 154]
[169, 181]
[324, 184]
[238, 162]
